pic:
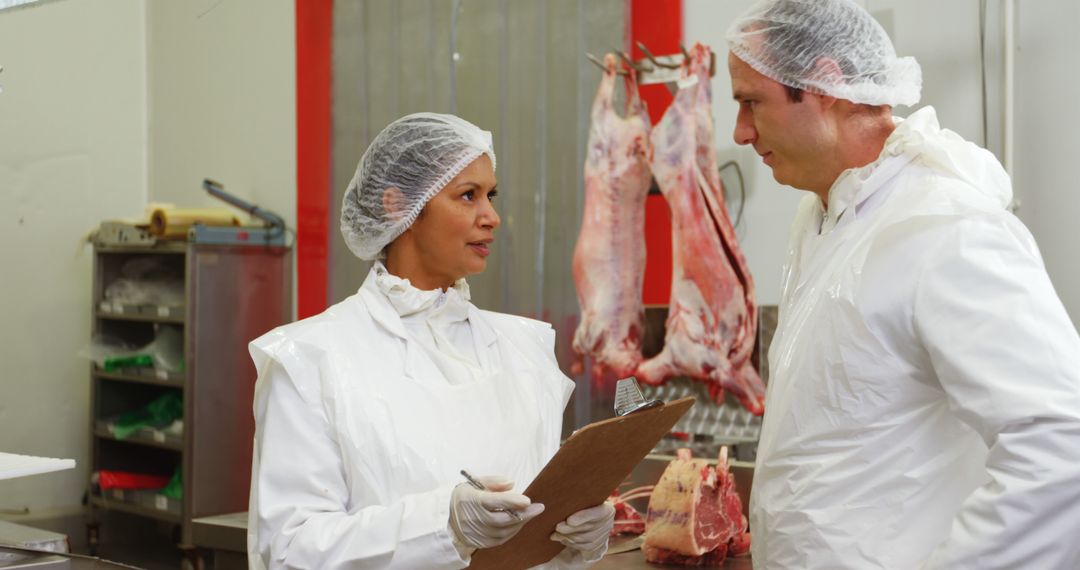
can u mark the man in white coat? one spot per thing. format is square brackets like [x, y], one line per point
[923, 409]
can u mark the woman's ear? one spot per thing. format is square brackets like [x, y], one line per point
[393, 203]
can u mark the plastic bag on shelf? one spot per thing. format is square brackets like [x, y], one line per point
[108, 479]
[167, 349]
[175, 488]
[147, 281]
[109, 352]
[165, 352]
[160, 412]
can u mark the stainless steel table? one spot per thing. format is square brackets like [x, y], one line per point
[20, 558]
[226, 535]
[635, 560]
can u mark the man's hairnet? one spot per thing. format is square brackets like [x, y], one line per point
[408, 163]
[786, 40]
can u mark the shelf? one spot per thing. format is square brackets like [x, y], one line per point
[159, 439]
[159, 247]
[205, 302]
[149, 376]
[170, 512]
[142, 313]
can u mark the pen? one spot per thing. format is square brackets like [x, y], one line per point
[479, 486]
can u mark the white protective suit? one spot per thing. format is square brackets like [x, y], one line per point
[923, 409]
[364, 420]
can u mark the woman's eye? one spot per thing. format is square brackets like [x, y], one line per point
[492, 195]
[469, 195]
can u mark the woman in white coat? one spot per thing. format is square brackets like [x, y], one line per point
[366, 414]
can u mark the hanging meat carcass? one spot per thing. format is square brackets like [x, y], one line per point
[695, 514]
[609, 258]
[712, 318]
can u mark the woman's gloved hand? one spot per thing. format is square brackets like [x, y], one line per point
[587, 531]
[475, 516]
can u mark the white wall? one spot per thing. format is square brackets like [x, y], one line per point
[72, 153]
[222, 84]
[944, 37]
[1047, 138]
[106, 105]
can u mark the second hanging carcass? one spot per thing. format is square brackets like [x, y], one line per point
[609, 258]
[712, 317]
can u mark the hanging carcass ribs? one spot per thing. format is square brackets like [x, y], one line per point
[712, 318]
[609, 258]
[695, 514]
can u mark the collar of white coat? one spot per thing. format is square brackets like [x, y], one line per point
[386, 314]
[918, 136]
[452, 304]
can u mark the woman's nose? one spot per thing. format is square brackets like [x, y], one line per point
[489, 218]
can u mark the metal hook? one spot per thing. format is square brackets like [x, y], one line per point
[636, 66]
[601, 65]
[652, 58]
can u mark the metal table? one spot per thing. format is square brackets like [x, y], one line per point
[635, 560]
[226, 535]
[21, 558]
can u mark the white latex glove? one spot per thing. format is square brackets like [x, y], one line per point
[587, 531]
[475, 520]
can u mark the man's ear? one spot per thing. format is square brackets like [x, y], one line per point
[393, 202]
[828, 72]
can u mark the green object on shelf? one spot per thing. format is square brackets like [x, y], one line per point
[175, 488]
[160, 412]
[112, 363]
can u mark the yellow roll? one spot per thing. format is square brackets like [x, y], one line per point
[174, 223]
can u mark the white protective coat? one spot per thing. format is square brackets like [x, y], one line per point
[923, 409]
[360, 436]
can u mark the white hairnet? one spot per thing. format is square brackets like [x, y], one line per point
[785, 39]
[418, 155]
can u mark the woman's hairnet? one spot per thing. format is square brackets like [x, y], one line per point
[786, 39]
[408, 163]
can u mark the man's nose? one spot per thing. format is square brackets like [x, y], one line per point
[745, 133]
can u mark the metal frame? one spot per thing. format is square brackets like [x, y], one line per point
[233, 294]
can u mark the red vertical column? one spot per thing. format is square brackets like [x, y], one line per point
[657, 24]
[313, 83]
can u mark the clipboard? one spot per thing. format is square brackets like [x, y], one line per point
[587, 468]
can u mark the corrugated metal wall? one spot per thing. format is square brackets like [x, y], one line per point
[516, 68]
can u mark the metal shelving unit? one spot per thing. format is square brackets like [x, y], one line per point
[232, 294]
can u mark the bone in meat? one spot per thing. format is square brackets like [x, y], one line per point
[695, 514]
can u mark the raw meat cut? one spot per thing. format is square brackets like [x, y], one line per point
[712, 318]
[609, 258]
[695, 514]
[627, 519]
